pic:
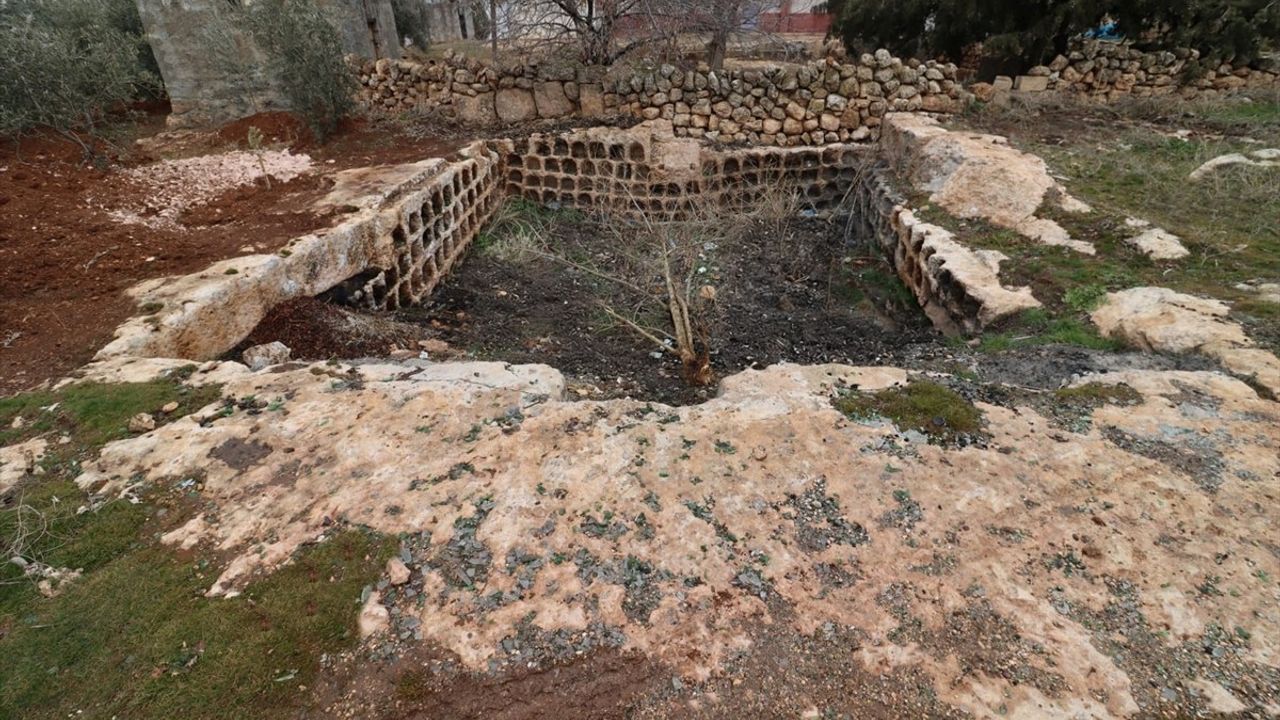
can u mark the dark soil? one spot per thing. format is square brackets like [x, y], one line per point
[315, 330]
[823, 302]
[65, 264]
[426, 682]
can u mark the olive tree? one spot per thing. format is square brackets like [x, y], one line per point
[64, 64]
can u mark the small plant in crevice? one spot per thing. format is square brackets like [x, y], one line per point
[254, 141]
[927, 407]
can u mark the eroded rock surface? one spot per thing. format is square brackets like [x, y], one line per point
[1156, 243]
[18, 461]
[1100, 568]
[1162, 320]
[978, 176]
[959, 288]
[1269, 157]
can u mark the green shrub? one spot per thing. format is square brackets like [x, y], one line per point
[1033, 32]
[303, 53]
[65, 63]
[1084, 298]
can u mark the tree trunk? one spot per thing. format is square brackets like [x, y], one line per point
[493, 28]
[717, 48]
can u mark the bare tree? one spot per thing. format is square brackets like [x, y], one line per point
[601, 31]
[722, 19]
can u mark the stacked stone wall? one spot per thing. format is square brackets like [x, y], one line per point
[833, 100]
[822, 102]
[1107, 71]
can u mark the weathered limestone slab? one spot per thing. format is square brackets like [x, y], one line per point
[973, 175]
[1161, 320]
[1156, 243]
[405, 235]
[756, 460]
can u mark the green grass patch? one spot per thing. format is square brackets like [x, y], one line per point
[1227, 220]
[1038, 327]
[1084, 298]
[1261, 115]
[137, 638]
[40, 521]
[522, 227]
[1128, 160]
[94, 414]
[930, 408]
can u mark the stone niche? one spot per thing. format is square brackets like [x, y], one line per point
[649, 171]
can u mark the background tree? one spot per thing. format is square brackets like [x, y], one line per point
[64, 64]
[720, 19]
[300, 51]
[592, 27]
[1033, 31]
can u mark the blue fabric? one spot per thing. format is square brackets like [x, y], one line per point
[1105, 31]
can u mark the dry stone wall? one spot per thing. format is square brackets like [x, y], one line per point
[822, 102]
[1106, 71]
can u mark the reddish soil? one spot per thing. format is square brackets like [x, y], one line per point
[276, 127]
[65, 264]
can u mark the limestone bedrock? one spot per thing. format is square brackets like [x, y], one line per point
[978, 176]
[1158, 319]
[767, 478]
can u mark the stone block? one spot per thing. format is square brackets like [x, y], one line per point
[477, 110]
[514, 105]
[550, 100]
[591, 100]
[1031, 83]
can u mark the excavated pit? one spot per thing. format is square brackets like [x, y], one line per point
[838, 270]
[806, 281]
[792, 291]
